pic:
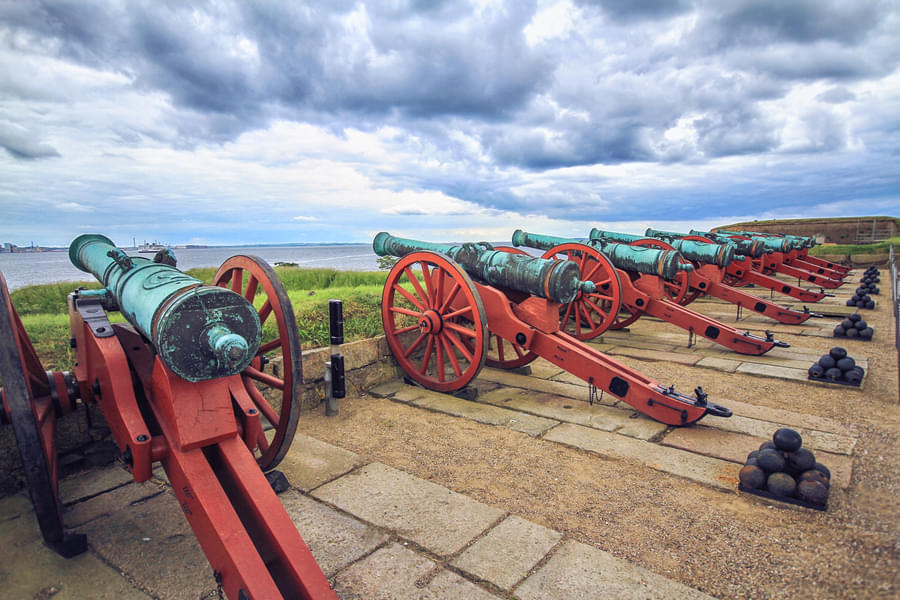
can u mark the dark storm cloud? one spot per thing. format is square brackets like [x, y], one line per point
[22, 144]
[632, 10]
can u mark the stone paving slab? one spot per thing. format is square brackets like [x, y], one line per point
[76, 515]
[335, 539]
[791, 418]
[310, 463]
[31, 570]
[92, 482]
[793, 374]
[558, 388]
[577, 571]
[814, 440]
[508, 552]
[735, 447]
[719, 364]
[483, 413]
[432, 516]
[397, 573]
[134, 539]
[664, 355]
[702, 469]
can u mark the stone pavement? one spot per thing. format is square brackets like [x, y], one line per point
[378, 533]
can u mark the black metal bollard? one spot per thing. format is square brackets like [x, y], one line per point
[335, 386]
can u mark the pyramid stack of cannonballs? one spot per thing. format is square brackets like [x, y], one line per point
[862, 298]
[786, 470]
[837, 367]
[854, 327]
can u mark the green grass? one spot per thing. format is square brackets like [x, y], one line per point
[882, 247]
[42, 309]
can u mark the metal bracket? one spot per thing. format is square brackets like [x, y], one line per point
[92, 313]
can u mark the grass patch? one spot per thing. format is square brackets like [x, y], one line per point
[882, 247]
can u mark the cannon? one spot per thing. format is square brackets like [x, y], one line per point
[775, 261]
[181, 382]
[710, 262]
[744, 270]
[799, 252]
[444, 319]
[644, 292]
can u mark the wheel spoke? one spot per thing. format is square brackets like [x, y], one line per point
[429, 347]
[405, 311]
[500, 349]
[262, 442]
[461, 330]
[453, 291]
[448, 346]
[587, 315]
[269, 346]
[439, 357]
[261, 403]
[458, 313]
[423, 297]
[237, 280]
[603, 314]
[426, 275]
[403, 330]
[250, 292]
[265, 311]
[412, 299]
[459, 346]
[568, 313]
[264, 378]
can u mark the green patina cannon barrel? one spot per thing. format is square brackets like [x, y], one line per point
[651, 261]
[749, 248]
[555, 280]
[772, 244]
[701, 252]
[796, 241]
[200, 332]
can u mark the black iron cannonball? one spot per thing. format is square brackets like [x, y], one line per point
[866, 333]
[851, 302]
[787, 439]
[767, 445]
[781, 484]
[813, 492]
[839, 331]
[820, 467]
[802, 460]
[833, 374]
[852, 332]
[753, 455]
[853, 376]
[870, 304]
[827, 362]
[855, 317]
[837, 353]
[752, 477]
[814, 475]
[855, 297]
[816, 371]
[860, 304]
[846, 363]
[847, 323]
[860, 324]
[771, 460]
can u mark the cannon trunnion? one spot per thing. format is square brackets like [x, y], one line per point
[182, 383]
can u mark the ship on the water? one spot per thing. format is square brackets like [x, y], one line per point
[150, 248]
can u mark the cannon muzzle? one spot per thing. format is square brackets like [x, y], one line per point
[557, 280]
[771, 244]
[200, 332]
[663, 263]
[699, 252]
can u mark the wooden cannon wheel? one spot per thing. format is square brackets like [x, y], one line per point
[277, 396]
[589, 315]
[434, 321]
[677, 291]
[26, 396]
[506, 354]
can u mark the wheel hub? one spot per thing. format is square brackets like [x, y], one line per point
[431, 322]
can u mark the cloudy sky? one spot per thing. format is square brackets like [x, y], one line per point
[245, 122]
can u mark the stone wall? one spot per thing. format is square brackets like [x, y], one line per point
[851, 230]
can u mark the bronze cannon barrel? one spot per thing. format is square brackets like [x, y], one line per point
[199, 331]
[651, 261]
[750, 248]
[699, 252]
[557, 280]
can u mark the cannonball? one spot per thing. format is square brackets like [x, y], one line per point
[781, 484]
[855, 297]
[767, 445]
[852, 332]
[802, 460]
[839, 331]
[847, 323]
[837, 353]
[859, 369]
[866, 333]
[813, 492]
[751, 462]
[771, 460]
[870, 304]
[860, 324]
[827, 362]
[787, 440]
[833, 374]
[820, 467]
[851, 302]
[846, 363]
[816, 371]
[814, 475]
[752, 477]
[855, 317]
[753, 454]
[853, 376]
[876, 290]
[861, 290]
